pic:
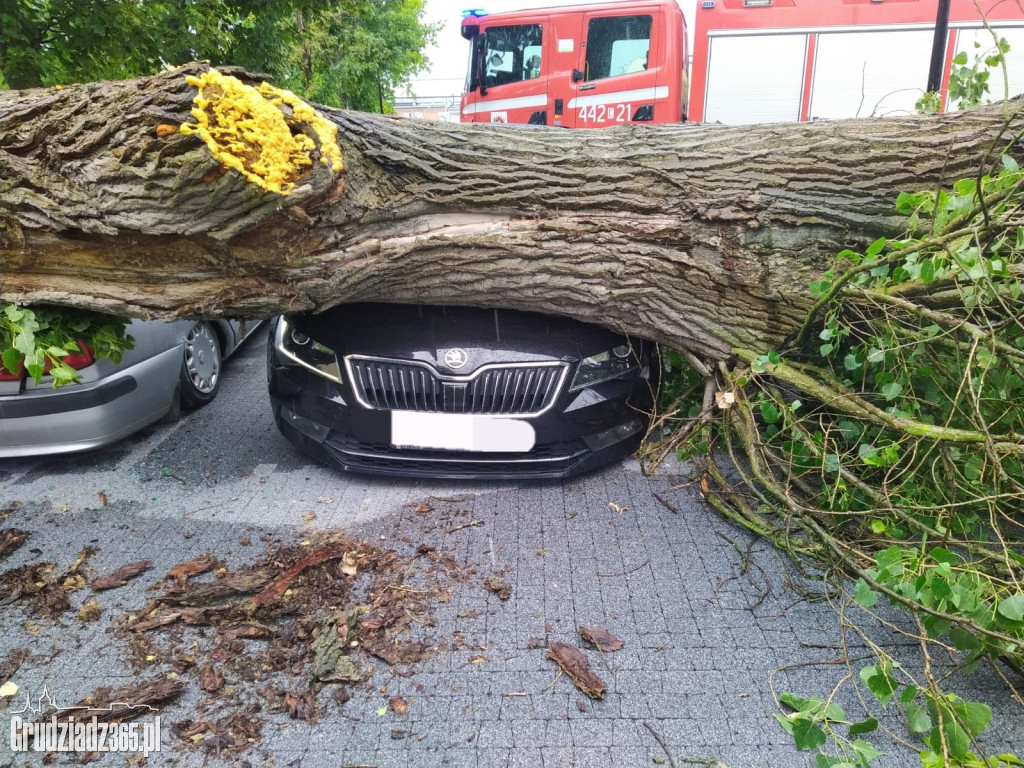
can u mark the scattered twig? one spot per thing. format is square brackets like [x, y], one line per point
[670, 507]
[470, 524]
[661, 743]
[624, 573]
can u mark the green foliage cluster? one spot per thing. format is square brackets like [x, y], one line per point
[41, 337]
[946, 723]
[885, 441]
[969, 82]
[345, 53]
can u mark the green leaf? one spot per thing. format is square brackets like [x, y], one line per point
[786, 723]
[864, 595]
[975, 715]
[820, 287]
[960, 59]
[1010, 164]
[876, 247]
[942, 555]
[769, 412]
[827, 761]
[865, 751]
[382, 711]
[892, 390]
[927, 270]
[807, 735]
[25, 343]
[918, 720]
[774, 358]
[1012, 607]
[798, 703]
[11, 359]
[956, 739]
[879, 683]
[864, 726]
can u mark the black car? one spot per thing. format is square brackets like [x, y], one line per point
[455, 392]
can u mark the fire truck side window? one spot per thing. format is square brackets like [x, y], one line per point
[617, 45]
[512, 54]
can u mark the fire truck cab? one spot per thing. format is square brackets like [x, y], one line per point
[587, 66]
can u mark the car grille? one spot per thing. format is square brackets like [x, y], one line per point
[499, 389]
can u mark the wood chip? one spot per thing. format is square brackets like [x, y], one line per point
[382, 618]
[301, 706]
[193, 567]
[496, 584]
[601, 638]
[210, 678]
[398, 705]
[121, 576]
[575, 665]
[11, 539]
[160, 620]
[273, 593]
[246, 631]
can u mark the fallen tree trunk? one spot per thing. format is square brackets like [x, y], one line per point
[701, 237]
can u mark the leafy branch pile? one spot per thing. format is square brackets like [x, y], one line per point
[885, 442]
[39, 339]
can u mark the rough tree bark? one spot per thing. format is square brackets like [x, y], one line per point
[701, 237]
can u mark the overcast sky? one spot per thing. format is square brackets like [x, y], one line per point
[448, 57]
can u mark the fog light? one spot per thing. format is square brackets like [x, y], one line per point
[614, 435]
[309, 428]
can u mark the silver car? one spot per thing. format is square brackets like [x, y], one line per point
[172, 366]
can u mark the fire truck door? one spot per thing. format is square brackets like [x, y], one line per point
[514, 75]
[617, 76]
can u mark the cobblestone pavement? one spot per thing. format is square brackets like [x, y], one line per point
[708, 615]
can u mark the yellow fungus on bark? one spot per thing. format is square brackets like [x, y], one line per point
[246, 129]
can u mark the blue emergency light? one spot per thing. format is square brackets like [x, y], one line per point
[475, 13]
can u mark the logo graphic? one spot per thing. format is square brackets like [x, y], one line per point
[455, 358]
[81, 732]
[499, 117]
[46, 701]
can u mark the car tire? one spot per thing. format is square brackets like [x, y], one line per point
[200, 366]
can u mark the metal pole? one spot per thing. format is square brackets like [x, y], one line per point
[939, 48]
[380, 92]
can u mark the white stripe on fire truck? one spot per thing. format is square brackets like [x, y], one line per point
[640, 94]
[538, 100]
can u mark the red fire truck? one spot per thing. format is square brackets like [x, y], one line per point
[584, 66]
[754, 60]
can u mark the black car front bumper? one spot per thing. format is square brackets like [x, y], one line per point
[577, 432]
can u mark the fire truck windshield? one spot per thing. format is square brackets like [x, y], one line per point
[508, 54]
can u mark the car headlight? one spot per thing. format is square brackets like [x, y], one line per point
[301, 349]
[612, 364]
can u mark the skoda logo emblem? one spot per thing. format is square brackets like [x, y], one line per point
[455, 358]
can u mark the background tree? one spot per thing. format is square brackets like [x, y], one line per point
[350, 53]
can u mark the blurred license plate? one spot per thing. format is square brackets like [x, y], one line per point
[460, 432]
